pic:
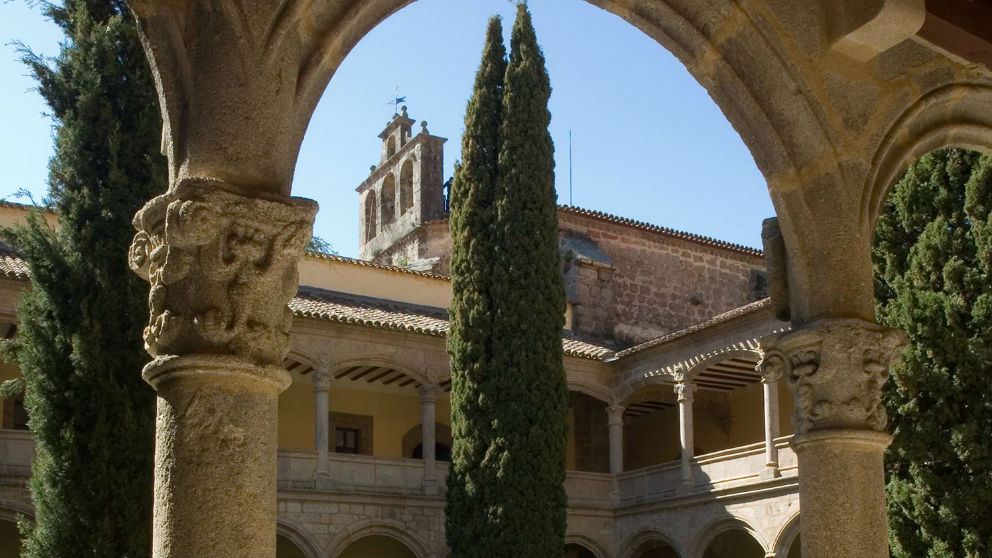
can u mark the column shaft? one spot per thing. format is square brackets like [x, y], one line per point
[215, 456]
[836, 369]
[684, 391]
[428, 397]
[222, 268]
[322, 419]
[771, 428]
[615, 425]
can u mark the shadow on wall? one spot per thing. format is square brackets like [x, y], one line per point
[10, 540]
[377, 545]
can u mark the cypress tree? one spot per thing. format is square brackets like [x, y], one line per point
[529, 391]
[79, 344]
[933, 274]
[472, 221]
[509, 394]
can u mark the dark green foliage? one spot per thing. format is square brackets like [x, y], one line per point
[933, 277]
[470, 340]
[509, 394]
[79, 343]
[318, 245]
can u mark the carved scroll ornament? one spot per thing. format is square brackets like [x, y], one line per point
[836, 370]
[222, 269]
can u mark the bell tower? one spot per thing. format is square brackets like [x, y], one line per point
[401, 193]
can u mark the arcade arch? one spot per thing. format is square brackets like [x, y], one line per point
[580, 546]
[385, 539]
[810, 107]
[650, 543]
[729, 537]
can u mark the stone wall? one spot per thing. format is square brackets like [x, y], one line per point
[630, 282]
[654, 282]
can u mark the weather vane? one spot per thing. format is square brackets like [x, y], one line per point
[396, 100]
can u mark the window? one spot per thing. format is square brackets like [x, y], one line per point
[15, 417]
[346, 440]
[388, 199]
[370, 216]
[406, 186]
[352, 433]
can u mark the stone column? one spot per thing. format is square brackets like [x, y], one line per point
[836, 369]
[428, 397]
[322, 426]
[614, 421]
[222, 269]
[684, 390]
[770, 387]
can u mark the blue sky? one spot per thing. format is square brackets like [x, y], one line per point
[647, 141]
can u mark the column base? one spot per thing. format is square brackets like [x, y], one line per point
[431, 487]
[322, 480]
[770, 472]
[685, 487]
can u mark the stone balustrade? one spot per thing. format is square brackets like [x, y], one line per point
[715, 471]
[16, 453]
[727, 469]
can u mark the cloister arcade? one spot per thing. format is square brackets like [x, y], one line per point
[833, 99]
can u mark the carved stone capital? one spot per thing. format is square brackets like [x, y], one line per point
[222, 269]
[614, 414]
[321, 380]
[835, 369]
[428, 393]
[684, 391]
[684, 388]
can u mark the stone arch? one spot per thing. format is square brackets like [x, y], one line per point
[753, 81]
[641, 538]
[386, 362]
[414, 437]
[371, 225]
[786, 536]
[391, 147]
[387, 199]
[639, 381]
[954, 115]
[406, 186]
[309, 361]
[595, 391]
[715, 528]
[298, 535]
[384, 527]
[11, 510]
[717, 357]
[584, 541]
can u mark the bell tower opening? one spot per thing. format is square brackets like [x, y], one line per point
[399, 234]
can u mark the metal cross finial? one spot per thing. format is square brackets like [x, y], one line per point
[396, 100]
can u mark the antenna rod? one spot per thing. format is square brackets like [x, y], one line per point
[569, 166]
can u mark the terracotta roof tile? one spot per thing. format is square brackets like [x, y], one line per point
[345, 308]
[364, 263]
[641, 225]
[615, 219]
[375, 312]
[11, 264]
[715, 320]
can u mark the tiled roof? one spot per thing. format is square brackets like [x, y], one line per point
[11, 264]
[366, 311]
[363, 263]
[601, 216]
[715, 320]
[640, 225]
[375, 312]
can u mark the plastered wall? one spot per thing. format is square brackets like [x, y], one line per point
[393, 415]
